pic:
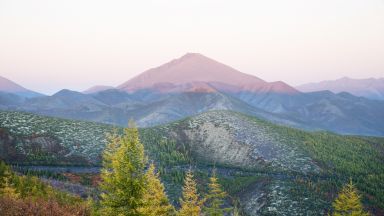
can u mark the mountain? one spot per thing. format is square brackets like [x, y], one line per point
[195, 84]
[9, 86]
[97, 88]
[68, 104]
[341, 113]
[145, 107]
[64, 99]
[370, 88]
[270, 169]
[195, 69]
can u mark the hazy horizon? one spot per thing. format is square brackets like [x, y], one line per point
[50, 45]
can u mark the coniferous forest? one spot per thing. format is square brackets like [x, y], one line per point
[152, 172]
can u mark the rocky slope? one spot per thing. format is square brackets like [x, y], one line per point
[232, 139]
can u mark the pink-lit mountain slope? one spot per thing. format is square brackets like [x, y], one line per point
[195, 72]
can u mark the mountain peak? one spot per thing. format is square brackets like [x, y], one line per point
[191, 59]
[191, 55]
[65, 92]
[191, 67]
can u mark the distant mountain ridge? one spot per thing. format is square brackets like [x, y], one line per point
[9, 86]
[164, 94]
[370, 88]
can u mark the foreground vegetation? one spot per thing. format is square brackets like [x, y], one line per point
[27, 195]
[128, 188]
[31, 139]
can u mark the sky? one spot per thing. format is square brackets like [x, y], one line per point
[48, 45]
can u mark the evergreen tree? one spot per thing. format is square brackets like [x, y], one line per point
[215, 198]
[190, 202]
[155, 200]
[348, 202]
[123, 174]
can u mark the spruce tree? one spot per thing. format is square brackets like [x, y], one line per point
[123, 174]
[215, 198]
[190, 201]
[155, 200]
[348, 202]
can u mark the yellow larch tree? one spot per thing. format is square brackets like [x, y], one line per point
[190, 201]
[155, 200]
[348, 202]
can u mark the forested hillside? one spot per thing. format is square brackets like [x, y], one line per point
[264, 167]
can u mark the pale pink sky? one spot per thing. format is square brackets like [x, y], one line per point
[47, 45]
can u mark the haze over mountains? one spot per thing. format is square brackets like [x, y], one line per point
[370, 88]
[194, 84]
